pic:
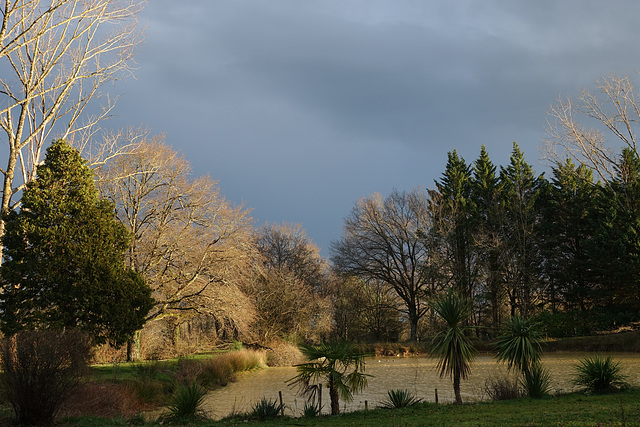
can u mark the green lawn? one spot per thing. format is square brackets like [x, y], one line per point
[621, 409]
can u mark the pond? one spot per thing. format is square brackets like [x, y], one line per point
[416, 374]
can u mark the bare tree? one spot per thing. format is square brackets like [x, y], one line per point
[55, 55]
[289, 282]
[381, 242]
[579, 128]
[287, 246]
[287, 306]
[191, 244]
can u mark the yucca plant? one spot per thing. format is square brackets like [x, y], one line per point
[452, 345]
[519, 345]
[187, 400]
[399, 399]
[537, 381]
[599, 375]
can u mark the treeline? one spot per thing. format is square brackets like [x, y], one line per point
[563, 249]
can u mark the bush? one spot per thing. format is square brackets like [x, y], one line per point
[186, 401]
[310, 410]
[266, 409]
[599, 375]
[41, 370]
[537, 381]
[399, 399]
[503, 388]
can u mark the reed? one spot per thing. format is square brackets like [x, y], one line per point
[220, 370]
[503, 388]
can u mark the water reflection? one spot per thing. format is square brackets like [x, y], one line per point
[417, 374]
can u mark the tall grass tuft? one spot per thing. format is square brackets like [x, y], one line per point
[266, 409]
[186, 401]
[242, 360]
[219, 370]
[599, 375]
[399, 399]
[537, 381]
[311, 410]
[503, 388]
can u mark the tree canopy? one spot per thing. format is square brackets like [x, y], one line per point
[64, 254]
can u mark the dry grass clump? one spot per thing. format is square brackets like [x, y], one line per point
[503, 388]
[104, 400]
[219, 370]
[241, 360]
[284, 354]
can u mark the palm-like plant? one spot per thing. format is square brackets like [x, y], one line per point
[452, 344]
[399, 399]
[599, 375]
[519, 345]
[339, 364]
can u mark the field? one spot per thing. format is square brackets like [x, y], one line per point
[576, 409]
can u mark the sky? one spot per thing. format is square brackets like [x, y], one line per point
[300, 108]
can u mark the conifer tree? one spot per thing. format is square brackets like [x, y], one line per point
[520, 192]
[615, 253]
[568, 228]
[453, 212]
[64, 257]
[485, 193]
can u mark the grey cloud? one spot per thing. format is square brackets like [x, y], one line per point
[299, 108]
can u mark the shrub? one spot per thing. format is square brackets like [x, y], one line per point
[187, 371]
[41, 370]
[503, 388]
[186, 401]
[104, 400]
[266, 409]
[399, 399]
[537, 381]
[311, 410]
[599, 375]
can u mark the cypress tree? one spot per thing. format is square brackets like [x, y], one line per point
[65, 257]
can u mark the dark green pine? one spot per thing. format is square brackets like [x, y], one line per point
[64, 264]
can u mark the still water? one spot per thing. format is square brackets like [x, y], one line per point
[416, 374]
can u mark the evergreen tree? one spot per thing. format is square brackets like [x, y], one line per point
[453, 212]
[64, 257]
[520, 192]
[485, 194]
[615, 252]
[568, 228]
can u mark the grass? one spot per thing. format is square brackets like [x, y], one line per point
[576, 409]
[126, 389]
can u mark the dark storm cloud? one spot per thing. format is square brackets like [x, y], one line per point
[299, 108]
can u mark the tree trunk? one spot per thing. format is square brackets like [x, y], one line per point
[456, 387]
[335, 399]
[7, 192]
[133, 348]
[413, 320]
